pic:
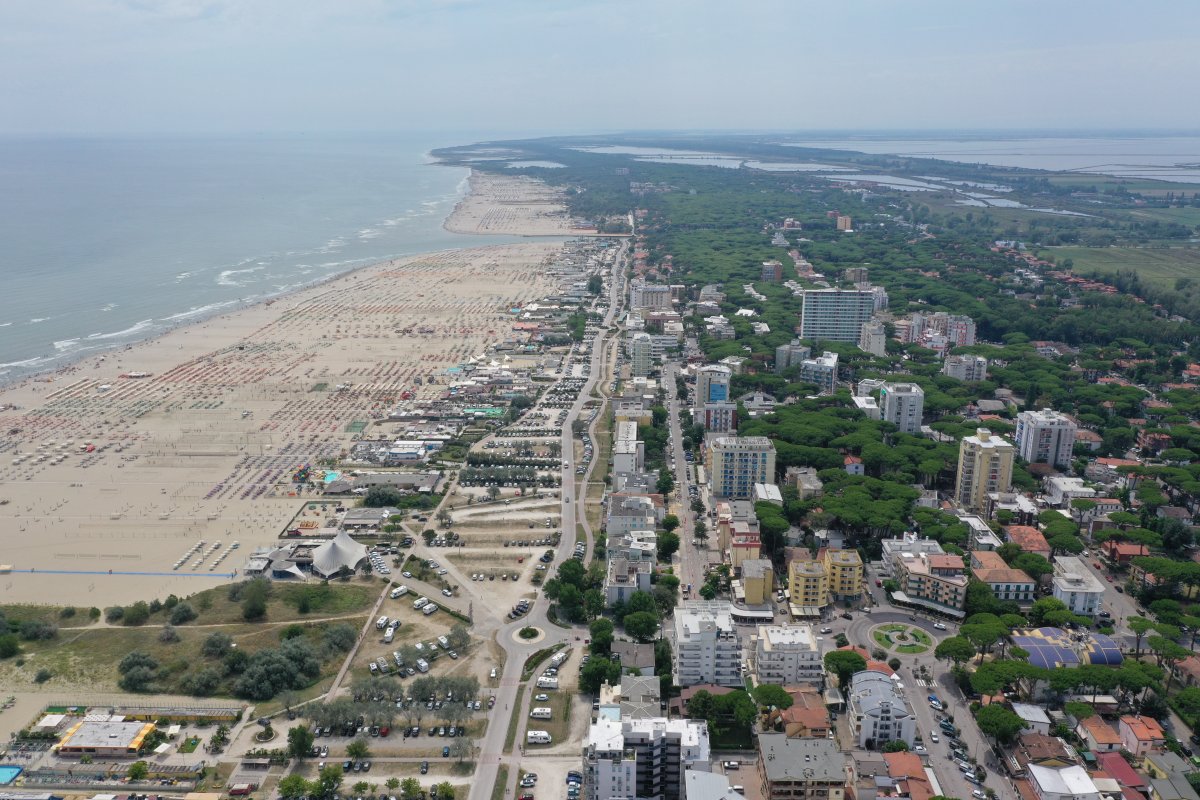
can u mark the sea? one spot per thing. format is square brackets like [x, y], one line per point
[104, 242]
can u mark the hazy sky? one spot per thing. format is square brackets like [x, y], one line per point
[98, 66]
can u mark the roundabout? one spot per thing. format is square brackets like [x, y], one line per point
[528, 634]
[899, 637]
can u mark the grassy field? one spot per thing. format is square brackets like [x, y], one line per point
[1161, 266]
[1146, 186]
[501, 784]
[1184, 216]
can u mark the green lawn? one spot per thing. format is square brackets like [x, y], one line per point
[1162, 265]
[1184, 216]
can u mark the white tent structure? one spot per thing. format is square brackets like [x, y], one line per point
[340, 551]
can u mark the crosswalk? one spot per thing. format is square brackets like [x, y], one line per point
[922, 682]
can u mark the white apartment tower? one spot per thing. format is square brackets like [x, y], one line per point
[902, 404]
[641, 354]
[873, 338]
[736, 463]
[1046, 437]
[837, 314]
[707, 648]
[966, 368]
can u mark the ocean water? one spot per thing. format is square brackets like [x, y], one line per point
[106, 242]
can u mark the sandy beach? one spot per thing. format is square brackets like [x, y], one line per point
[499, 204]
[121, 475]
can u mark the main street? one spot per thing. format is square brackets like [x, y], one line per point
[516, 651]
[692, 558]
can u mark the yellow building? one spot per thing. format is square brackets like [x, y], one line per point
[808, 586]
[985, 463]
[845, 571]
[758, 581]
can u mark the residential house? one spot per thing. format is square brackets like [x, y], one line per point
[1123, 552]
[1098, 735]
[1029, 539]
[1035, 717]
[1006, 582]
[1168, 777]
[1141, 735]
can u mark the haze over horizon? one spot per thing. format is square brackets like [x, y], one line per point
[80, 67]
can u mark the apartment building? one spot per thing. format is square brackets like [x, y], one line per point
[790, 355]
[787, 656]
[1076, 586]
[836, 314]
[844, 569]
[772, 271]
[873, 338]
[707, 646]
[735, 464]
[715, 408]
[878, 711]
[800, 769]
[903, 405]
[1005, 582]
[965, 368]
[645, 758]
[934, 581]
[647, 296]
[1045, 437]
[908, 543]
[808, 587]
[629, 452]
[641, 354]
[821, 371]
[985, 463]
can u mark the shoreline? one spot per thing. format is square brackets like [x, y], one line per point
[121, 461]
[69, 363]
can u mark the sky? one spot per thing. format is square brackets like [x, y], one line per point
[93, 67]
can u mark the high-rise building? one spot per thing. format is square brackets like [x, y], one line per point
[855, 275]
[715, 408]
[790, 355]
[735, 464]
[902, 404]
[649, 296]
[808, 586]
[785, 656]
[836, 314]
[821, 371]
[707, 647]
[966, 368]
[645, 758]
[985, 463]
[845, 571]
[641, 354]
[873, 338]
[1045, 437]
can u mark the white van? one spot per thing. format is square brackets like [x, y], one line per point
[537, 737]
[547, 682]
[541, 713]
[559, 658]
[389, 634]
[381, 623]
[429, 609]
[422, 665]
[399, 591]
[443, 641]
[420, 601]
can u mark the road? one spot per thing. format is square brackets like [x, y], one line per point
[692, 559]
[516, 650]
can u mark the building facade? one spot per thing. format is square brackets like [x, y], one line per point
[903, 405]
[1076, 586]
[873, 338]
[790, 355]
[965, 368]
[707, 646]
[641, 354]
[808, 586]
[787, 656]
[821, 371]
[845, 571]
[836, 314]
[643, 757]
[985, 463]
[735, 464]
[1045, 437]
[879, 712]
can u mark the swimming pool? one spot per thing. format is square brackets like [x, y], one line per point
[8, 774]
